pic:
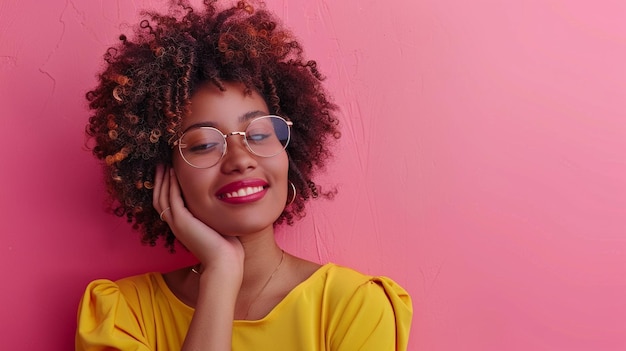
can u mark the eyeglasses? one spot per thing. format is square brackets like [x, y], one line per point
[204, 147]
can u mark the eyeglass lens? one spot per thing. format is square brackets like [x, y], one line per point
[204, 147]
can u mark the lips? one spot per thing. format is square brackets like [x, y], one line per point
[243, 191]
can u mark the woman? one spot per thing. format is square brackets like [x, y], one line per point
[211, 126]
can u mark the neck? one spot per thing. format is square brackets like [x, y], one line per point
[261, 258]
[263, 261]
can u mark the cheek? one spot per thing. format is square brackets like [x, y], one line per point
[189, 180]
[282, 166]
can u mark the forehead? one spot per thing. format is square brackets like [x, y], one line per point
[227, 108]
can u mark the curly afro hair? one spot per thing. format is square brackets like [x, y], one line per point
[145, 90]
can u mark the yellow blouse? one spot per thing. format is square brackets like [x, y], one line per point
[336, 308]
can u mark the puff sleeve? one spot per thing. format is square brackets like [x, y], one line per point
[377, 317]
[106, 320]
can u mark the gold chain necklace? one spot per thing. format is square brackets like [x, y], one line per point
[197, 270]
[282, 258]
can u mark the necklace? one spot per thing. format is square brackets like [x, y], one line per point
[197, 269]
[282, 258]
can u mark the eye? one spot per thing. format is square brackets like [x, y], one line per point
[260, 131]
[203, 148]
[258, 137]
[202, 141]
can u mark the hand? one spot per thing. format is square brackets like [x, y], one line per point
[212, 249]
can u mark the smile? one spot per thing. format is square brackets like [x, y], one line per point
[244, 192]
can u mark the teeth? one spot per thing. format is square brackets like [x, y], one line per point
[245, 191]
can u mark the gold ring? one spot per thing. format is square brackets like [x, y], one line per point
[163, 212]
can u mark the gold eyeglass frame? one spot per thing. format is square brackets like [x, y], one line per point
[225, 136]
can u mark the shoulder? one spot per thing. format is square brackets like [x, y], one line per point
[139, 284]
[335, 271]
[374, 307]
[131, 290]
[110, 314]
[346, 283]
[128, 285]
[341, 281]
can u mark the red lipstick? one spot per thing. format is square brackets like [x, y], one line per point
[243, 191]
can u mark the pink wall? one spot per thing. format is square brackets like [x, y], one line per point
[482, 166]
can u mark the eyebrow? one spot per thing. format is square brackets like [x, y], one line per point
[243, 118]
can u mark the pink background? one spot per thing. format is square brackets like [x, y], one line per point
[482, 166]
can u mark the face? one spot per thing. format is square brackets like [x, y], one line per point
[243, 193]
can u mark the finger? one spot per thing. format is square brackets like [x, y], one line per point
[164, 195]
[156, 190]
[175, 198]
[160, 188]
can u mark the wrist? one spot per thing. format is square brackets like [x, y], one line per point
[221, 275]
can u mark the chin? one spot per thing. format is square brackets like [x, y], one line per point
[240, 229]
[242, 224]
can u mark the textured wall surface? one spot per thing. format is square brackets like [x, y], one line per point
[482, 166]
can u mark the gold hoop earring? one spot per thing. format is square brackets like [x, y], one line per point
[293, 198]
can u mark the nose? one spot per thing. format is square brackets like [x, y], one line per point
[237, 158]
